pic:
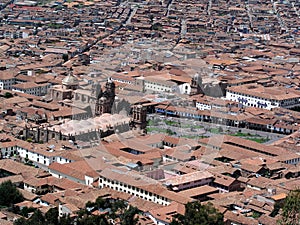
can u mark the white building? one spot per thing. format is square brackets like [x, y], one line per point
[159, 85]
[41, 156]
[184, 88]
[7, 81]
[165, 83]
[139, 186]
[36, 155]
[210, 103]
[253, 95]
[122, 78]
[31, 88]
[67, 209]
[203, 105]
[8, 149]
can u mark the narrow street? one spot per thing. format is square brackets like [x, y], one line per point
[169, 5]
[249, 14]
[183, 29]
[209, 7]
[280, 20]
[133, 12]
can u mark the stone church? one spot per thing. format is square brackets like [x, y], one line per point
[98, 102]
[95, 100]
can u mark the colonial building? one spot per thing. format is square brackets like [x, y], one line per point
[31, 88]
[105, 100]
[85, 130]
[65, 90]
[252, 95]
[196, 83]
[139, 117]
[138, 185]
[94, 99]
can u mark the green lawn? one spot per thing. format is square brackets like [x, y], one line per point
[172, 123]
[240, 134]
[149, 129]
[155, 122]
[192, 126]
[161, 130]
[194, 137]
[178, 124]
[259, 139]
[215, 130]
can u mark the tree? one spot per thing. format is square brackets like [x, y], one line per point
[21, 221]
[37, 218]
[65, 57]
[195, 214]
[220, 129]
[65, 220]
[8, 95]
[128, 217]
[170, 132]
[90, 204]
[118, 205]
[52, 216]
[9, 194]
[291, 209]
[25, 211]
[102, 203]
[117, 208]
[157, 26]
[93, 220]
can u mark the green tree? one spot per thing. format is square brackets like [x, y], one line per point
[196, 214]
[25, 211]
[21, 221]
[157, 26]
[129, 216]
[51, 216]
[8, 95]
[90, 204]
[65, 220]
[9, 194]
[65, 57]
[102, 203]
[118, 206]
[291, 209]
[170, 132]
[93, 220]
[37, 218]
[220, 129]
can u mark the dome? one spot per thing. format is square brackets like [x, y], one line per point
[70, 81]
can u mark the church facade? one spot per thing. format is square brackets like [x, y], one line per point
[98, 102]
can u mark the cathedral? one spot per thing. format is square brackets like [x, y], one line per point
[106, 112]
[96, 101]
[105, 99]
